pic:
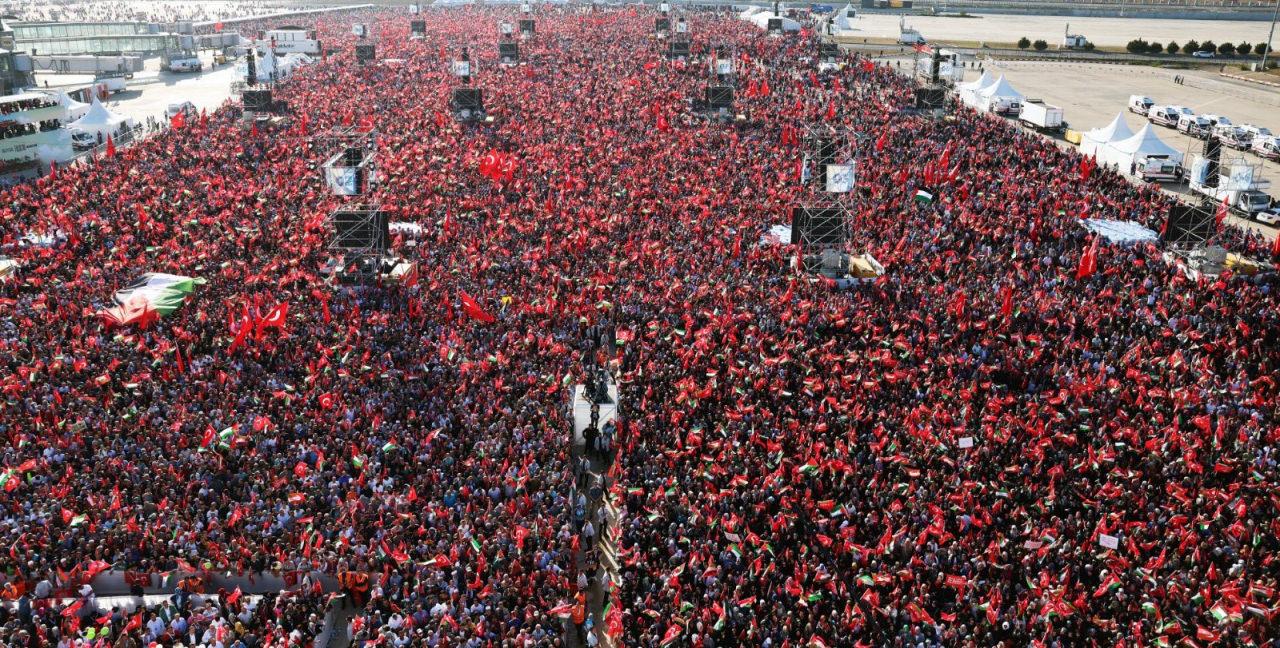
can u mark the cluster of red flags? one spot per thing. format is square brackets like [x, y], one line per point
[1220, 216]
[1088, 261]
[754, 89]
[1087, 165]
[936, 172]
[275, 318]
[498, 166]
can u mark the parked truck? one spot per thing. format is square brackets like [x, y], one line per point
[1041, 116]
[1236, 185]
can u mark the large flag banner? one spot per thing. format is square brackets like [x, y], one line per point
[154, 295]
[840, 178]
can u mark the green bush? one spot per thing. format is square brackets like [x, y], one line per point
[1136, 46]
[1243, 49]
[1227, 49]
[1024, 43]
[1171, 48]
[1155, 48]
[1207, 46]
[1088, 46]
[1191, 46]
[1259, 48]
[1040, 46]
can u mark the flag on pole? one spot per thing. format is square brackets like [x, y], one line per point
[923, 196]
[473, 309]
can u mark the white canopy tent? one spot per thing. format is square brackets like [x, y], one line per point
[72, 109]
[969, 91]
[1000, 92]
[761, 20]
[1093, 141]
[100, 121]
[266, 66]
[1143, 144]
[844, 18]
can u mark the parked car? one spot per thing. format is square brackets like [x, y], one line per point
[1204, 54]
[1268, 216]
[1140, 104]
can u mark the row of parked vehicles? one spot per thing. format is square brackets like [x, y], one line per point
[1242, 137]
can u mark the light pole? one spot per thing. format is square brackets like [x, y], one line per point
[1271, 33]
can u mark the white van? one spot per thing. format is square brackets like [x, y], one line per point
[175, 108]
[1233, 137]
[1217, 120]
[82, 141]
[1195, 125]
[1164, 115]
[1256, 131]
[1140, 104]
[1267, 148]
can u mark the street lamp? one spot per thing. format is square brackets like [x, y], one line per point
[1271, 33]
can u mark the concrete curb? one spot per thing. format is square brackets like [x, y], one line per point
[1237, 77]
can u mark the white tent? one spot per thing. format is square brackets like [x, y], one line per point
[266, 67]
[100, 121]
[72, 109]
[1143, 144]
[844, 18]
[969, 91]
[761, 20]
[747, 13]
[998, 95]
[1093, 141]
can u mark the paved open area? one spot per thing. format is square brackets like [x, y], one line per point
[1007, 28]
[151, 91]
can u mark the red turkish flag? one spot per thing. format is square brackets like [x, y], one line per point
[473, 310]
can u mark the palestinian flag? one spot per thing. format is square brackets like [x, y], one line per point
[153, 296]
[672, 634]
[923, 196]
[9, 480]
[1109, 584]
[389, 446]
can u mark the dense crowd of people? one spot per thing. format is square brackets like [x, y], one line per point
[992, 444]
